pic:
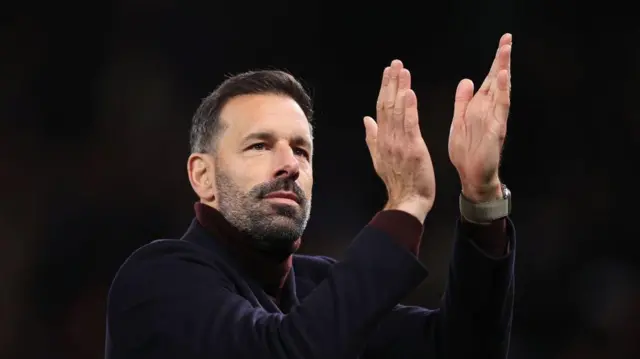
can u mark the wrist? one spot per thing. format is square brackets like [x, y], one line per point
[417, 207]
[483, 193]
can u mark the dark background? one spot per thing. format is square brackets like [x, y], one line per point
[95, 110]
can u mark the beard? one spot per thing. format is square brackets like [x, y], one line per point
[273, 227]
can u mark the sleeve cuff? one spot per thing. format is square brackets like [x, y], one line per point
[405, 229]
[492, 239]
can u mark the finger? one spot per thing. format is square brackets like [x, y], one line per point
[503, 62]
[392, 89]
[505, 40]
[464, 94]
[381, 95]
[411, 120]
[503, 95]
[404, 84]
[371, 131]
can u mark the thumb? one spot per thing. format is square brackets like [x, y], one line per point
[371, 130]
[464, 94]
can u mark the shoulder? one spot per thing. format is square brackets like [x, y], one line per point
[160, 284]
[167, 251]
[164, 267]
[195, 247]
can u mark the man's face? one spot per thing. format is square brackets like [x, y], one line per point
[263, 171]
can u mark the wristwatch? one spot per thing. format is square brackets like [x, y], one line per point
[486, 212]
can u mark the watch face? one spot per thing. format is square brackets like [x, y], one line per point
[506, 193]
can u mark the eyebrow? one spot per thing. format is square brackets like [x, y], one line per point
[271, 137]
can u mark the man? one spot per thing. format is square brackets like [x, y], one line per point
[232, 288]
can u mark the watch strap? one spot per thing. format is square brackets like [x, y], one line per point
[487, 211]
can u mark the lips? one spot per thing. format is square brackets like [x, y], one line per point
[283, 194]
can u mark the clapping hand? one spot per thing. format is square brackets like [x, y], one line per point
[400, 155]
[479, 128]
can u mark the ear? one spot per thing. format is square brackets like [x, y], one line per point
[201, 171]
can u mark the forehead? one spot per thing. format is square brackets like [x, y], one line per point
[277, 114]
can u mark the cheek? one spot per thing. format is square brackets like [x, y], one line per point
[306, 182]
[249, 174]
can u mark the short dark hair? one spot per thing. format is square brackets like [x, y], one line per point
[206, 126]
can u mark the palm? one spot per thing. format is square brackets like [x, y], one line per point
[480, 122]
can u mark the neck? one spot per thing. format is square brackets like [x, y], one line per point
[269, 265]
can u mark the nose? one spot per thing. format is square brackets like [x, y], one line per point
[286, 163]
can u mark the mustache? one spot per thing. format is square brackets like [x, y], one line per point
[279, 184]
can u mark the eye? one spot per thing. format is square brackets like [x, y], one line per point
[257, 146]
[301, 152]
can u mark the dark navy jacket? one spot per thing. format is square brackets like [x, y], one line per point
[187, 299]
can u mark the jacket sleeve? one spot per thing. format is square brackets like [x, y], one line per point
[169, 301]
[474, 320]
